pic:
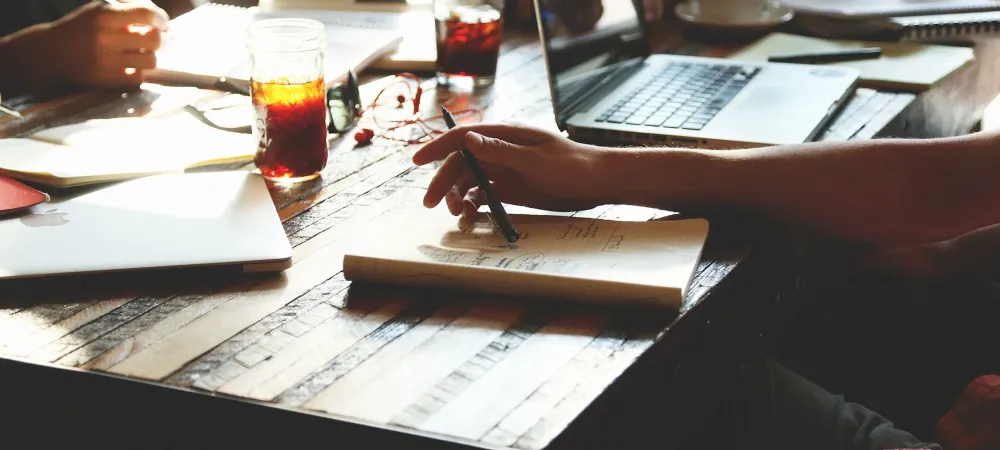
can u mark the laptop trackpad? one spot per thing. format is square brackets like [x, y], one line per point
[771, 99]
[775, 114]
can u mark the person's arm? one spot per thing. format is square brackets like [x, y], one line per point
[883, 192]
[24, 70]
[886, 192]
[96, 45]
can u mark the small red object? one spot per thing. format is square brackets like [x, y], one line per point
[364, 136]
[424, 131]
[15, 196]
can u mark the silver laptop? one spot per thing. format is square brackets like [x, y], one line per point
[156, 222]
[607, 87]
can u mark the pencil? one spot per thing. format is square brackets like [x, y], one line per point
[502, 220]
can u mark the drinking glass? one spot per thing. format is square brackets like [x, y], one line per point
[468, 41]
[288, 94]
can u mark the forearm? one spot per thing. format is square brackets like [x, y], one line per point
[25, 67]
[885, 192]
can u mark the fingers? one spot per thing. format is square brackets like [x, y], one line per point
[138, 61]
[446, 177]
[509, 193]
[654, 10]
[458, 192]
[494, 151]
[455, 139]
[146, 40]
[122, 69]
[120, 17]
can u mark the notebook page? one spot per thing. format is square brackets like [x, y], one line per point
[567, 251]
[109, 148]
[211, 41]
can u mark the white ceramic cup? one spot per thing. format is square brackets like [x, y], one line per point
[729, 11]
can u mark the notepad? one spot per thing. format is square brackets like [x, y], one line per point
[647, 263]
[211, 42]
[414, 20]
[907, 67]
[105, 150]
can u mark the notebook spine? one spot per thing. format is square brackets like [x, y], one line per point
[940, 31]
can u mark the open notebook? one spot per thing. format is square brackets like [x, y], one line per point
[646, 263]
[105, 150]
[413, 19]
[211, 42]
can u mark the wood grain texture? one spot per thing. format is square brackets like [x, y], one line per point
[505, 373]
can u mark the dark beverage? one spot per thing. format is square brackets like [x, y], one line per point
[468, 43]
[291, 128]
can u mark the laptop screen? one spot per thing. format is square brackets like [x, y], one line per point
[585, 40]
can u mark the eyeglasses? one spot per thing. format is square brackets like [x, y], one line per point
[343, 103]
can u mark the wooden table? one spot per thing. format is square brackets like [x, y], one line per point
[210, 358]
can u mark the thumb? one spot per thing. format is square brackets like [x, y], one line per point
[494, 151]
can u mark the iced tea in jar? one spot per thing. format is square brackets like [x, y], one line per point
[468, 40]
[288, 92]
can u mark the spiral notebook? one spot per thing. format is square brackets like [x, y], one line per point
[889, 8]
[947, 26]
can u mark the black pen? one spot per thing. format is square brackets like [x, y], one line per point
[853, 54]
[502, 220]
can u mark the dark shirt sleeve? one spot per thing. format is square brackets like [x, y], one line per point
[16, 15]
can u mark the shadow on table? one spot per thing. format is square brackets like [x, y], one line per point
[67, 289]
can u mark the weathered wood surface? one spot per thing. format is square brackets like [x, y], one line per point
[492, 371]
[497, 371]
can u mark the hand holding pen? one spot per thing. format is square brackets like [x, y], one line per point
[499, 216]
[97, 45]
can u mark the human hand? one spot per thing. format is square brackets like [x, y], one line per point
[579, 16]
[527, 166]
[973, 255]
[105, 46]
[654, 9]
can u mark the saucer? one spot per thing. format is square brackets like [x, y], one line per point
[774, 15]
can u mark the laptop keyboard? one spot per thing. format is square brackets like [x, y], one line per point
[683, 95]
[863, 106]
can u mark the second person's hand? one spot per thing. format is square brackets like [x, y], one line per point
[108, 46]
[527, 166]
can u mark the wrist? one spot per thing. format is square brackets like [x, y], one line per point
[673, 179]
[28, 52]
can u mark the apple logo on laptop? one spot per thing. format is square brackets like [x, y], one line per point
[49, 218]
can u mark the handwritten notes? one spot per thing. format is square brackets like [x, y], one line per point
[574, 258]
